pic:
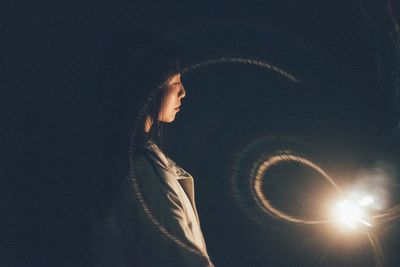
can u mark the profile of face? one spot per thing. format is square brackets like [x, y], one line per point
[172, 99]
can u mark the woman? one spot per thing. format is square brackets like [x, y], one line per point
[150, 219]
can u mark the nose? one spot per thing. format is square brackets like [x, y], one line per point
[182, 92]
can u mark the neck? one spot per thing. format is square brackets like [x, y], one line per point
[147, 124]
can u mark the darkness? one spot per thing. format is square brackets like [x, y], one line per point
[343, 113]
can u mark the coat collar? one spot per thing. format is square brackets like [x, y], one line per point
[183, 178]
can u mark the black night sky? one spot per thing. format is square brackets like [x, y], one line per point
[342, 113]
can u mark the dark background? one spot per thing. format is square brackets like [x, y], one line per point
[345, 108]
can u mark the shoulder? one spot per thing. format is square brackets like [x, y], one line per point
[156, 156]
[151, 164]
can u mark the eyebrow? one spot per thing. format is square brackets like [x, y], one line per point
[171, 81]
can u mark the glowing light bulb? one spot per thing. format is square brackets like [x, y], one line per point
[351, 213]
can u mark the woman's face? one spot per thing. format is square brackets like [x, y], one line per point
[172, 99]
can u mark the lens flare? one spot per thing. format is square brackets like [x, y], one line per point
[366, 201]
[352, 214]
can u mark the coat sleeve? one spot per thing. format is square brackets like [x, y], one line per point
[166, 238]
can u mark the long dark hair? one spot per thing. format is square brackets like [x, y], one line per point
[133, 71]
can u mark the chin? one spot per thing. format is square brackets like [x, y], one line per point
[169, 120]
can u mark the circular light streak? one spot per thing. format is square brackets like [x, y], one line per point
[255, 184]
[135, 181]
[257, 162]
[243, 61]
[263, 200]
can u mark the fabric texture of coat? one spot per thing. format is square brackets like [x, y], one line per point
[153, 220]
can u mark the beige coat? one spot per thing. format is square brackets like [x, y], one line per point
[154, 217]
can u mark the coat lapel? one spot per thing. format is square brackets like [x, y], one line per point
[184, 179]
[187, 186]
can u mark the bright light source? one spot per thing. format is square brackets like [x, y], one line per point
[351, 213]
[366, 201]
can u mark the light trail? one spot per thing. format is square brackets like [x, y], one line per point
[266, 204]
[349, 212]
[135, 181]
[243, 61]
[254, 182]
